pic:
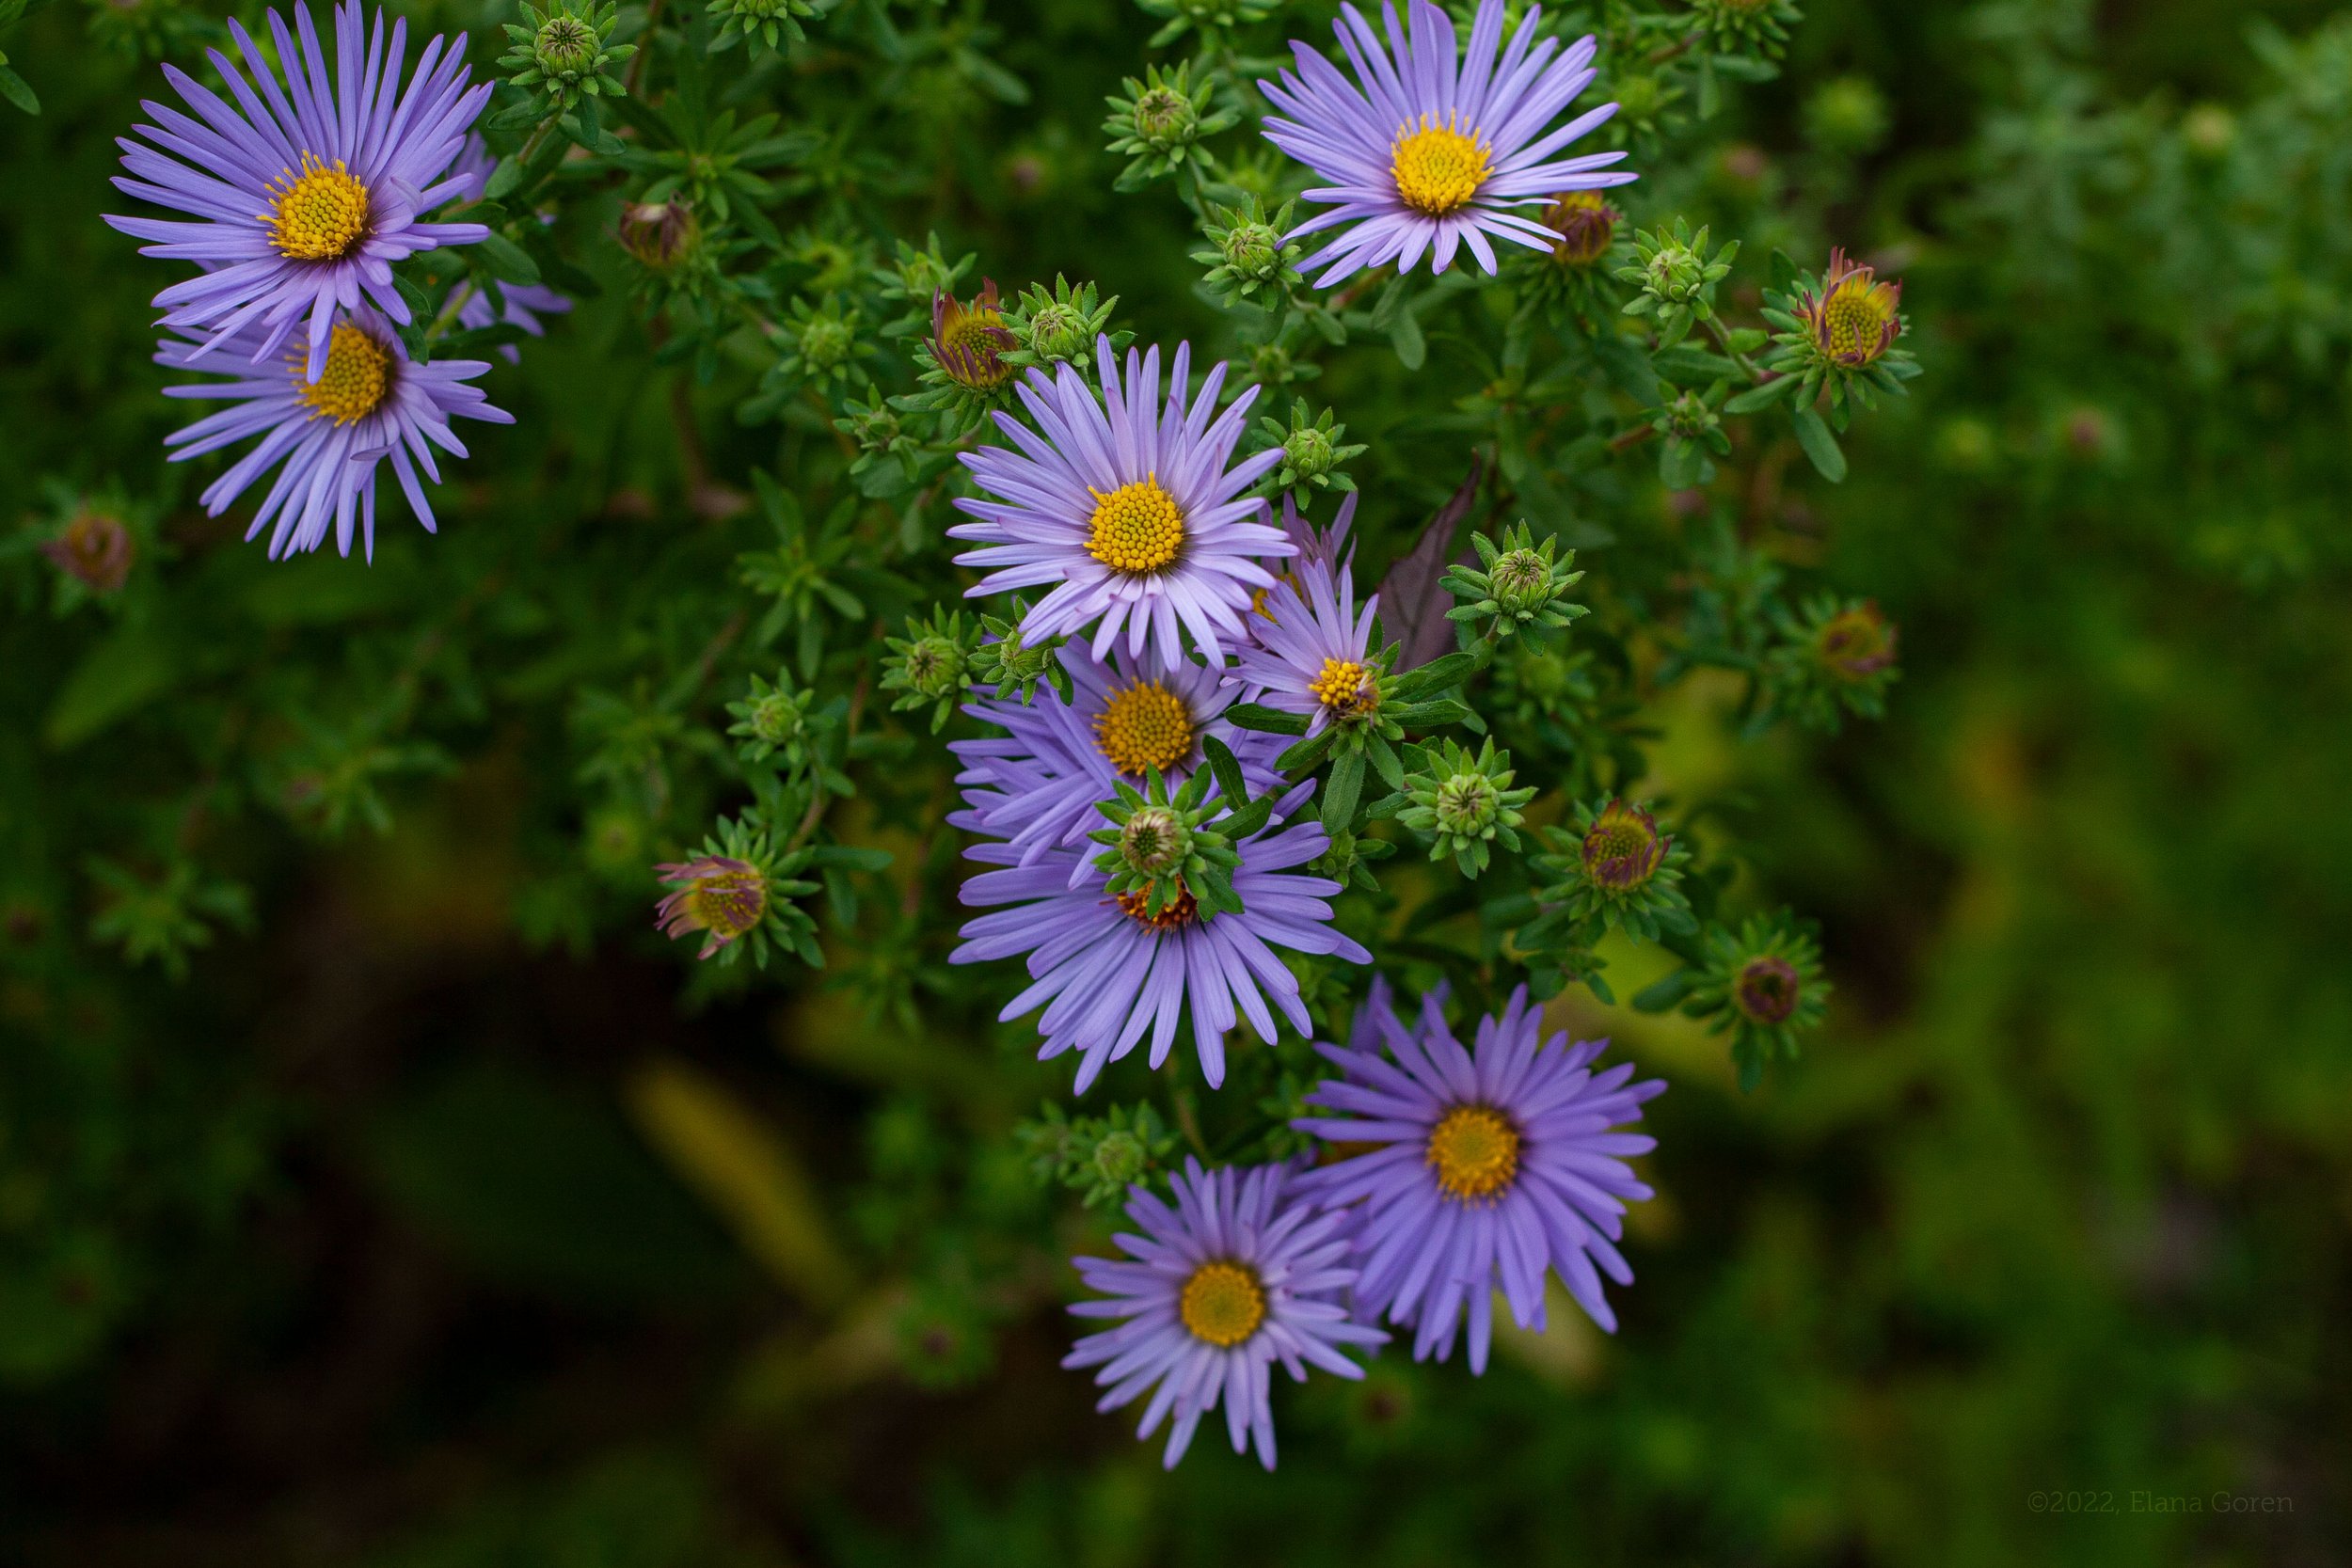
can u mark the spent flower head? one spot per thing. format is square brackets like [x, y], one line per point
[739, 893]
[1831, 657]
[1762, 984]
[1836, 333]
[1615, 868]
[1521, 584]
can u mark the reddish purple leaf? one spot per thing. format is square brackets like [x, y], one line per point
[1413, 599]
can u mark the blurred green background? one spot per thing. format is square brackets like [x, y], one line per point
[432, 1221]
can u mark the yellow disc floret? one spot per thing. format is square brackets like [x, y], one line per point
[1343, 688]
[1222, 1303]
[1439, 168]
[1137, 527]
[322, 214]
[1475, 1153]
[358, 375]
[1143, 727]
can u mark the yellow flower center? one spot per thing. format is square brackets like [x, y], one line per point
[1857, 314]
[1439, 168]
[1138, 527]
[358, 374]
[1475, 1151]
[1143, 727]
[1222, 1302]
[321, 215]
[1343, 689]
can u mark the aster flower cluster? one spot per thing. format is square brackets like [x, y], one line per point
[302, 190]
[1190, 735]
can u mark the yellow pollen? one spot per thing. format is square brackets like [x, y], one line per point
[1439, 168]
[1145, 726]
[358, 375]
[321, 215]
[1343, 689]
[1222, 1303]
[1857, 313]
[1475, 1151]
[1138, 527]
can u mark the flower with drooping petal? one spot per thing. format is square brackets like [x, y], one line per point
[1313, 653]
[1425, 153]
[1494, 1164]
[525, 302]
[303, 194]
[371, 404]
[1240, 1275]
[1127, 506]
[1107, 967]
[1038, 786]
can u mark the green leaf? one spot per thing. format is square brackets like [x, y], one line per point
[1226, 768]
[1660, 995]
[1412, 349]
[1819, 445]
[1340, 792]
[1628, 367]
[1762, 395]
[1784, 276]
[1272, 721]
[1307, 753]
[18, 91]
[508, 263]
[133, 667]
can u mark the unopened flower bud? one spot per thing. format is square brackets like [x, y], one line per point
[95, 548]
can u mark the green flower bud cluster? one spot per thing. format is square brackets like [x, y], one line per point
[764, 24]
[816, 345]
[1059, 325]
[1461, 801]
[1013, 668]
[1248, 255]
[890, 459]
[562, 55]
[1694, 429]
[1314, 446]
[1521, 584]
[1170, 855]
[1212, 17]
[1677, 277]
[932, 664]
[1159, 124]
[1847, 117]
[1097, 1157]
[1753, 27]
[914, 279]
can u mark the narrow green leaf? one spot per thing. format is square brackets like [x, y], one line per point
[1340, 792]
[1819, 445]
[508, 263]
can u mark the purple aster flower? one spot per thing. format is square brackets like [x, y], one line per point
[1127, 507]
[1313, 650]
[525, 302]
[1429, 153]
[1106, 969]
[1498, 1163]
[1242, 1273]
[305, 194]
[1038, 786]
[372, 404]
